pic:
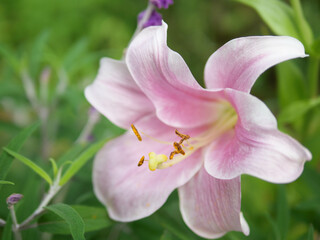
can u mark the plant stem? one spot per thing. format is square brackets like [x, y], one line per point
[94, 117]
[15, 227]
[139, 28]
[54, 189]
[145, 18]
[2, 222]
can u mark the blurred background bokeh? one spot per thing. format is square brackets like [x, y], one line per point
[56, 45]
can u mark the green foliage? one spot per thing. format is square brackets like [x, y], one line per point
[297, 109]
[72, 218]
[6, 182]
[80, 161]
[94, 218]
[15, 144]
[7, 231]
[42, 173]
[291, 84]
[276, 14]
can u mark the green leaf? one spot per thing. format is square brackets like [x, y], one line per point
[276, 14]
[291, 84]
[30, 164]
[283, 212]
[6, 182]
[297, 109]
[94, 218]
[305, 31]
[277, 234]
[310, 233]
[7, 231]
[80, 161]
[15, 144]
[75, 53]
[72, 153]
[72, 217]
[315, 48]
[37, 53]
[10, 57]
[166, 236]
[54, 167]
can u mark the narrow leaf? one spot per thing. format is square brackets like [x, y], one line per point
[297, 109]
[54, 167]
[166, 236]
[7, 231]
[276, 14]
[283, 212]
[30, 164]
[72, 153]
[310, 233]
[10, 57]
[6, 182]
[72, 217]
[37, 53]
[94, 218]
[290, 84]
[15, 144]
[80, 161]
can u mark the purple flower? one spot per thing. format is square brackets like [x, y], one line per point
[155, 19]
[161, 3]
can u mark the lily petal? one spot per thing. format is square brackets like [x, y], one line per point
[166, 79]
[116, 95]
[255, 147]
[238, 63]
[131, 192]
[211, 207]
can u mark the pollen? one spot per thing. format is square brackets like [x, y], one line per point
[141, 161]
[182, 136]
[155, 160]
[136, 132]
[178, 148]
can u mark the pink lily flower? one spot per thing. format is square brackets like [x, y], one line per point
[230, 132]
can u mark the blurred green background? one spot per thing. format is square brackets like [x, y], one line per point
[66, 39]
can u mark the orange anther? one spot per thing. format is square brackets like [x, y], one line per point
[141, 161]
[136, 132]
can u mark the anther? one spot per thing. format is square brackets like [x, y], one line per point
[178, 148]
[172, 154]
[141, 161]
[183, 136]
[136, 132]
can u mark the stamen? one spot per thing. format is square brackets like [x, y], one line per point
[172, 154]
[141, 161]
[178, 148]
[183, 136]
[136, 132]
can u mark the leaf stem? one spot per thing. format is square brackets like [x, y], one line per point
[54, 189]
[15, 227]
[93, 118]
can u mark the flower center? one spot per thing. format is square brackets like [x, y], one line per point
[189, 144]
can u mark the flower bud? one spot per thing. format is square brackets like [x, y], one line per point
[14, 199]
